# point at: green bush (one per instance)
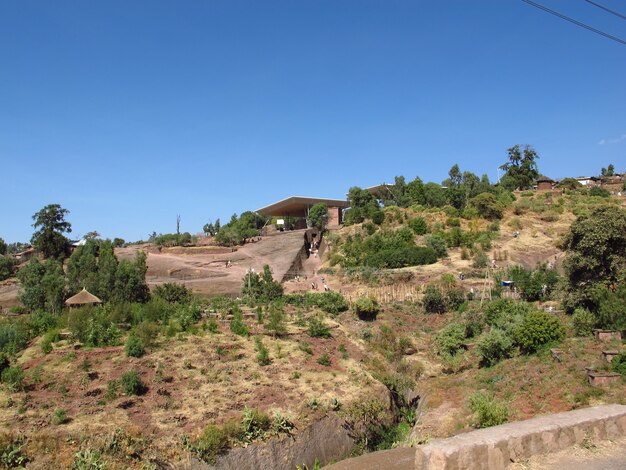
(618, 364)
(438, 244)
(11, 455)
(211, 444)
(13, 377)
(134, 346)
(474, 322)
(481, 260)
(494, 346)
(433, 300)
(536, 330)
(324, 360)
(4, 362)
(599, 192)
(488, 411)
(173, 293)
(7, 267)
(450, 340)
(132, 384)
(366, 308)
(488, 206)
(237, 325)
(583, 322)
(60, 417)
(263, 355)
(418, 225)
(318, 329)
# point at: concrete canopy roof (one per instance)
(297, 206)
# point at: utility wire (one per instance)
(576, 22)
(616, 13)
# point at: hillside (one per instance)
(221, 378)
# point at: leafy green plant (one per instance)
(494, 346)
(433, 299)
(305, 347)
(324, 360)
(583, 322)
(60, 417)
(418, 225)
(536, 330)
(11, 451)
(237, 325)
(131, 383)
(88, 460)
(318, 329)
(134, 346)
(263, 355)
(450, 340)
(211, 443)
(618, 364)
(366, 308)
(13, 377)
(487, 410)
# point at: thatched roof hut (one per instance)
(83, 298)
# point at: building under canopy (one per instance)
(84, 297)
(298, 207)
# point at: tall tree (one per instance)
(3, 247)
(596, 256)
(50, 225)
(318, 215)
(521, 169)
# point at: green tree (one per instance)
(3, 247)
(276, 321)
(318, 215)
(107, 271)
(43, 285)
(82, 268)
(50, 225)
(609, 171)
(596, 256)
(488, 206)
(130, 280)
(521, 169)
(7, 267)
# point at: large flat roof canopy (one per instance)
(298, 206)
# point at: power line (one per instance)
(616, 13)
(576, 22)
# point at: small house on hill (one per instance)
(84, 297)
(544, 183)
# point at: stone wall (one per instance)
(494, 448)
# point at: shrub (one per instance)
(4, 362)
(450, 339)
(13, 377)
(418, 225)
(366, 308)
(211, 444)
(237, 325)
(134, 346)
(494, 346)
(7, 267)
(537, 329)
(487, 206)
(318, 329)
(11, 455)
(378, 217)
(454, 298)
(263, 355)
(433, 300)
(583, 322)
(132, 384)
(488, 411)
(438, 244)
(618, 364)
(305, 347)
(324, 360)
(481, 260)
(474, 323)
(173, 293)
(598, 191)
(254, 423)
(60, 417)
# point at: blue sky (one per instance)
(128, 113)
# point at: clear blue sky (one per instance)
(130, 112)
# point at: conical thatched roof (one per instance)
(83, 298)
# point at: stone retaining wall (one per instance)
(494, 448)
